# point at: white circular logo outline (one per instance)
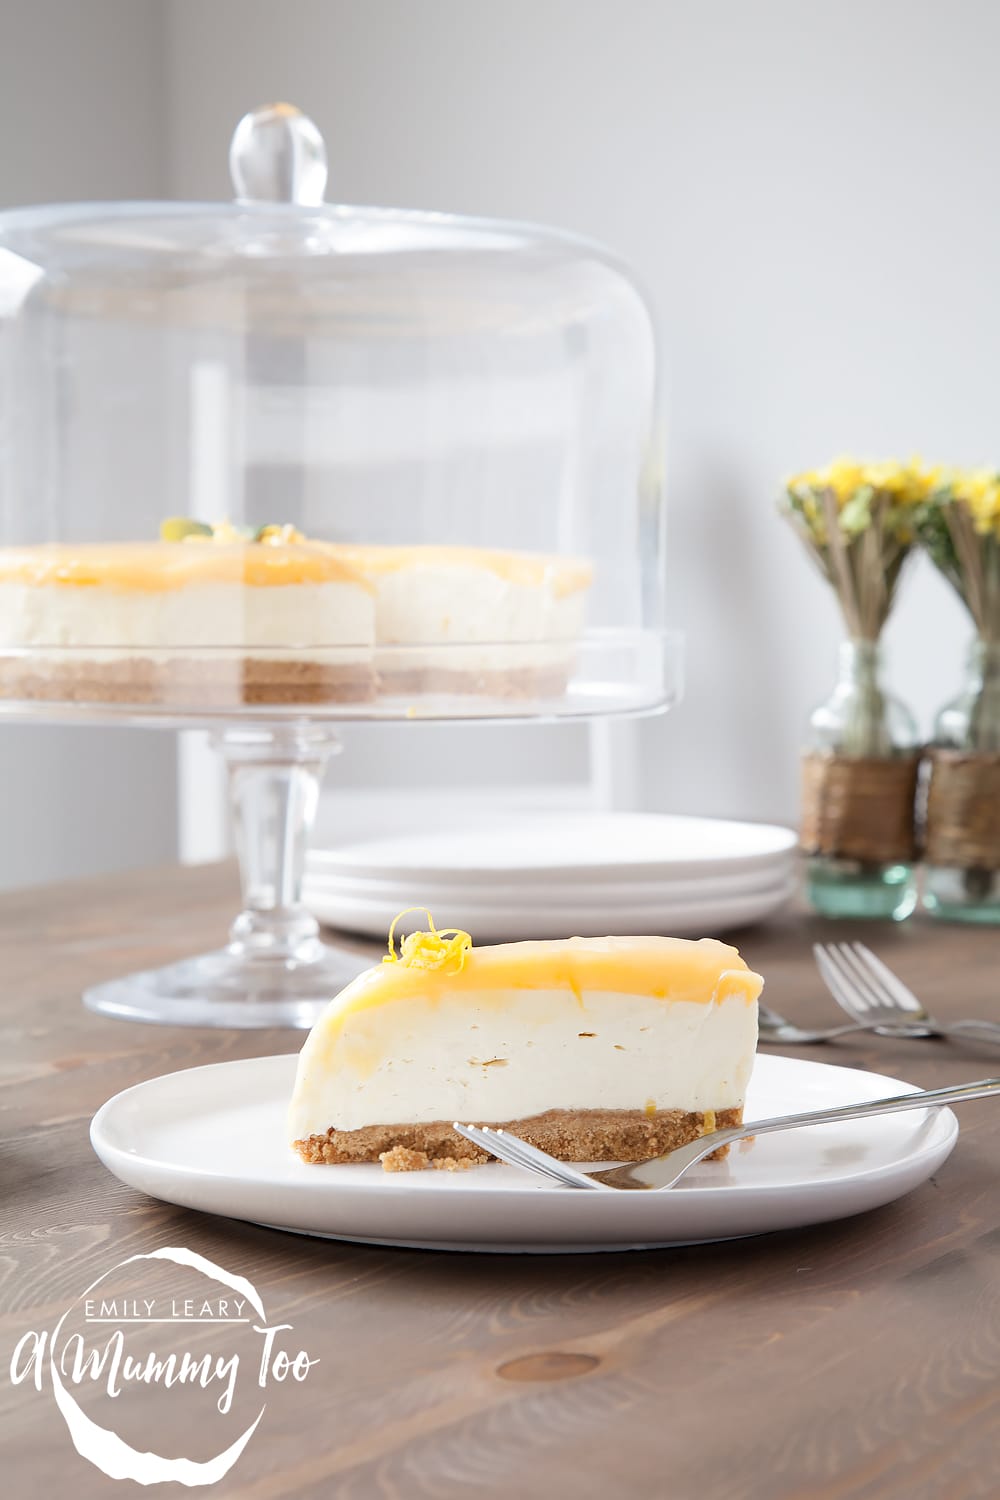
(104, 1448)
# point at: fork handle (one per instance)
(979, 1031)
(920, 1099)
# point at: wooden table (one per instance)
(860, 1359)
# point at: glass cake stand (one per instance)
(379, 381)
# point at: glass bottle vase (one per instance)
(859, 785)
(962, 836)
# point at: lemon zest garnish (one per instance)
(276, 536)
(444, 950)
(188, 529)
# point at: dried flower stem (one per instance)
(977, 575)
(863, 570)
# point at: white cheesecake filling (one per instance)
(299, 617)
(482, 1056)
(491, 621)
(473, 619)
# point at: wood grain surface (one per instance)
(860, 1359)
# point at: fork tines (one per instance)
(518, 1153)
(862, 984)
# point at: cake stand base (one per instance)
(231, 990)
(274, 971)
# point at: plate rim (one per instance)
(644, 903)
(503, 924)
(596, 891)
(335, 856)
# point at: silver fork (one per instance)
(664, 1171)
(873, 995)
(774, 1030)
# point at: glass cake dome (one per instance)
(445, 430)
(269, 464)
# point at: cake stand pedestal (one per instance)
(275, 970)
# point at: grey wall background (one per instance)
(809, 192)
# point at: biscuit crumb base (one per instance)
(402, 1159)
(405, 1159)
(570, 1135)
(180, 682)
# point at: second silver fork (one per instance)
(872, 995)
(775, 1031)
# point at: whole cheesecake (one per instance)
(217, 616)
(593, 1049)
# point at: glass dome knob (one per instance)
(277, 155)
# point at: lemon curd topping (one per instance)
(563, 575)
(192, 552)
(705, 971)
(152, 567)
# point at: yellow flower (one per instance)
(908, 483)
(979, 491)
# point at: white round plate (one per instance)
(492, 922)
(574, 847)
(214, 1139)
(524, 891)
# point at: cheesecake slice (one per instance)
(594, 1049)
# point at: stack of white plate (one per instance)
(553, 875)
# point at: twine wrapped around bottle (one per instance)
(859, 807)
(962, 823)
